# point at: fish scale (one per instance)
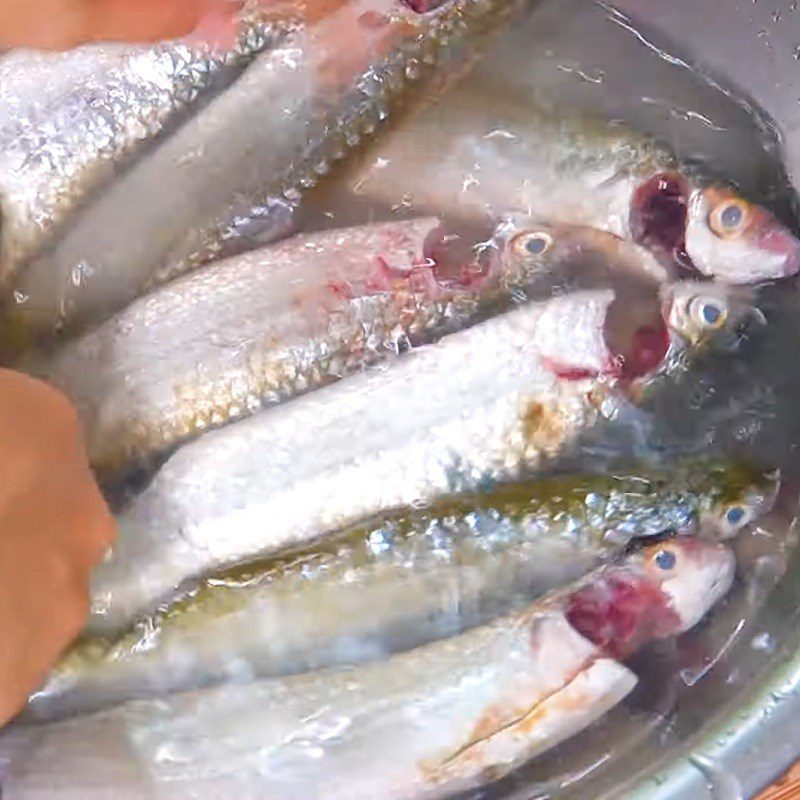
(368, 444)
(65, 149)
(293, 109)
(423, 573)
(367, 107)
(445, 717)
(268, 325)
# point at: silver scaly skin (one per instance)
(382, 439)
(266, 326)
(263, 327)
(422, 574)
(297, 108)
(67, 121)
(494, 152)
(449, 716)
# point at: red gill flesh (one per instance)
(658, 217)
(620, 611)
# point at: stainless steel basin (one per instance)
(721, 717)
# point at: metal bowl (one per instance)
(721, 717)
(735, 740)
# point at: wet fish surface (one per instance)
(69, 121)
(266, 326)
(519, 387)
(495, 152)
(297, 107)
(454, 714)
(400, 581)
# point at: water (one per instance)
(588, 57)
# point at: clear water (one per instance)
(583, 56)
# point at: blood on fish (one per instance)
(658, 216)
(621, 611)
(341, 289)
(419, 278)
(649, 347)
(423, 6)
(568, 372)
(453, 257)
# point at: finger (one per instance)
(58, 24)
(100, 527)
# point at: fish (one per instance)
(496, 152)
(445, 717)
(301, 103)
(711, 316)
(69, 121)
(482, 404)
(257, 329)
(422, 573)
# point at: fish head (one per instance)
(705, 314)
(658, 591)
(711, 230)
(564, 261)
(600, 334)
(564, 256)
(740, 497)
(694, 574)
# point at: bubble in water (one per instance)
(597, 77)
(413, 69)
(764, 642)
(20, 296)
(81, 272)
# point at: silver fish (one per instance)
(422, 574)
(518, 388)
(266, 326)
(296, 108)
(486, 149)
(442, 718)
(69, 120)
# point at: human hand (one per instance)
(60, 24)
(54, 527)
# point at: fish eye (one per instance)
(535, 243)
(729, 218)
(665, 559)
(735, 515)
(708, 312)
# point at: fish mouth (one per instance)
(711, 231)
(659, 214)
(637, 337)
(781, 243)
(706, 582)
(424, 6)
